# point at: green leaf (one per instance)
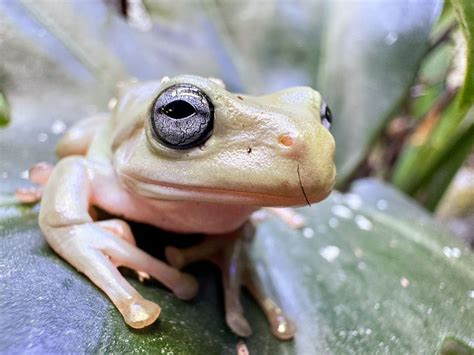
(465, 13)
(371, 272)
(444, 167)
(370, 56)
(4, 111)
(426, 169)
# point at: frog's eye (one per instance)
(326, 115)
(182, 117)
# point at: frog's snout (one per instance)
(291, 145)
(308, 154)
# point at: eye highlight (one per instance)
(326, 115)
(182, 117)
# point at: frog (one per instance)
(185, 155)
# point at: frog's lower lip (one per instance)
(166, 191)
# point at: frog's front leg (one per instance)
(97, 248)
(231, 253)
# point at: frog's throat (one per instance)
(167, 191)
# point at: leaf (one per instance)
(426, 166)
(4, 111)
(465, 13)
(370, 57)
(370, 271)
(437, 178)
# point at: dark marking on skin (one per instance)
(301, 185)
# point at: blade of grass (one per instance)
(444, 167)
(416, 158)
(4, 111)
(464, 10)
(426, 167)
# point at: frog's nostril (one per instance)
(285, 140)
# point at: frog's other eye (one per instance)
(182, 117)
(326, 115)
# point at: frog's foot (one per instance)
(38, 174)
(98, 248)
(28, 194)
(288, 215)
(230, 253)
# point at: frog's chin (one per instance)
(166, 191)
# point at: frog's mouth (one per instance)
(167, 191)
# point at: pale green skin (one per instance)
(264, 151)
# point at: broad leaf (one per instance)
(371, 271)
(371, 54)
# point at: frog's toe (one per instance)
(281, 326)
(187, 288)
(140, 313)
(175, 257)
(28, 194)
(40, 173)
(239, 325)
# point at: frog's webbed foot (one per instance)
(98, 248)
(38, 174)
(230, 253)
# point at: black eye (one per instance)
(326, 115)
(182, 117)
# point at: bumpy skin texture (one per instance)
(263, 151)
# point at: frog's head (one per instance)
(193, 140)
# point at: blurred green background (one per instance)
(399, 78)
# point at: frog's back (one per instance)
(132, 107)
(103, 132)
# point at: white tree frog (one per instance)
(187, 156)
